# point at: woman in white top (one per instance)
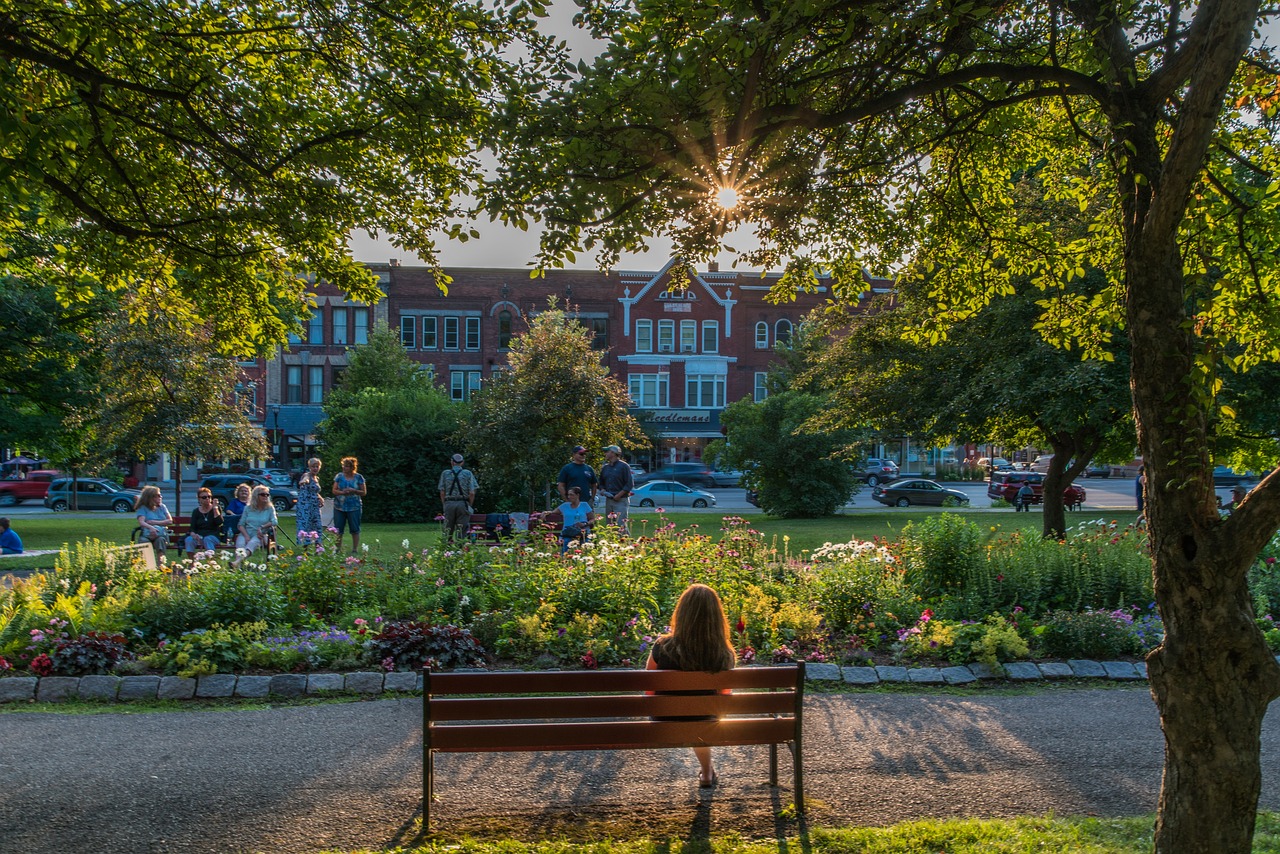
(154, 518)
(256, 524)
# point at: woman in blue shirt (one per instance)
(577, 517)
(154, 519)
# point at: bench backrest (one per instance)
(609, 709)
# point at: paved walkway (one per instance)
(347, 776)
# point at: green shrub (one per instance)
(941, 552)
(1087, 634)
(217, 649)
(999, 641)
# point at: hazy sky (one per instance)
(501, 246)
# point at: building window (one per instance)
(315, 331)
(473, 333)
(710, 336)
(247, 399)
(782, 333)
(762, 336)
(451, 333)
(430, 338)
(293, 384)
(704, 391)
(462, 384)
(295, 338)
(644, 336)
(688, 336)
(315, 384)
(649, 391)
(340, 330)
(504, 330)
(430, 370)
(599, 328)
(666, 336)
(762, 385)
(361, 316)
(409, 333)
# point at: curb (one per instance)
(55, 689)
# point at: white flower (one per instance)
(404, 544)
(464, 601)
(364, 547)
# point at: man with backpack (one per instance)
(458, 494)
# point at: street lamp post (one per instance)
(276, 451)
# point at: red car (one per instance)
(34, 487)
(1005, 484)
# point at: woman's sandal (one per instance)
(704, 783)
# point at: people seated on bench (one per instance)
(206, 524)
(577, 517)
(699, 640)
(154, 519)
(256, 524)
(10, 542)
(231, 518)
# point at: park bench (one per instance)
(610, 710)
(178, 537)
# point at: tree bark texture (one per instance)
(1213, 676)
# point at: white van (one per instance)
(1042, 463)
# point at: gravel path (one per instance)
(347, 776)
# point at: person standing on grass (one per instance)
(310, 501)
(617, 482)
(699, 640)
(10, 542)
(457, 488)
(348, 488)
(577, 473)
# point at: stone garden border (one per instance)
(56, 689)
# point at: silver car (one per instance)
(668, 493)
(91, 494)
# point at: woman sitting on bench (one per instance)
(698, 640)
(577, 518)
(206, 524)
(256, 524)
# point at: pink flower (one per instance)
(388, 664)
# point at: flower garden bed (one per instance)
(947, 593)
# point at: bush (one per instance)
(411, 645)
(941, 553)
(1088, 634)
(203, 652)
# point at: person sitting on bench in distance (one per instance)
(698, 640)
(256, 524)
(577, 516)
(206, 524)
(154, 519)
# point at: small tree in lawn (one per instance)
(389, 414)
(524, 421)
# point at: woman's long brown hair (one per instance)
(699, 637)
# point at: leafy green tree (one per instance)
(889, 136)
(401, 436)
(557, 394)
(389, 415)
(218, 151)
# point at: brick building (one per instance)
(684, 353)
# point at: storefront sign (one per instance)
(681, 416)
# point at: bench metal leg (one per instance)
(797, 772)
(428, 787)
(773, 765)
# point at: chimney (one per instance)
(713, 267)
(395, 262)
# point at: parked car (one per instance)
(276, 477)
(753, 498)
(92, 493)
(1005, 485)
(875, 470)
(1042, 463)
(904, 493)
(223, 487)
(1097, 470)
(995, 464)
(669, 493)
(690, 474)
(636, 469)
(33, 487)
(1226, 476)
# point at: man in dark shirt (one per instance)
(577, 473)
(617, 482)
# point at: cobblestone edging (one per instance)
(55, 689)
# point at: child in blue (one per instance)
(577, 516)
(10, 542)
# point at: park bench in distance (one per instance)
(178, 538)
(570, 710)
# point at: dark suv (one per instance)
(690, 474)
(223, 487)
(1005, 484)
(875, 470)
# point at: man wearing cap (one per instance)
(616, 484)
(458, 494)
(577, 473)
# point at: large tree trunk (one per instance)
(1213, 676)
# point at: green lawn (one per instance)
(51, 532)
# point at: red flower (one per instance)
(740, 627)
(41, 665)
(589, 661)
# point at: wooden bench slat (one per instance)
(595, 681)
(609, 706)
(614, 735)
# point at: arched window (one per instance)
(762, 336)
(782, 331)
(504, 329)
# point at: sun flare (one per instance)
(727, 198)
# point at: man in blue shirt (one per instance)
(617, 483)
(10, 542)
(577, 473)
